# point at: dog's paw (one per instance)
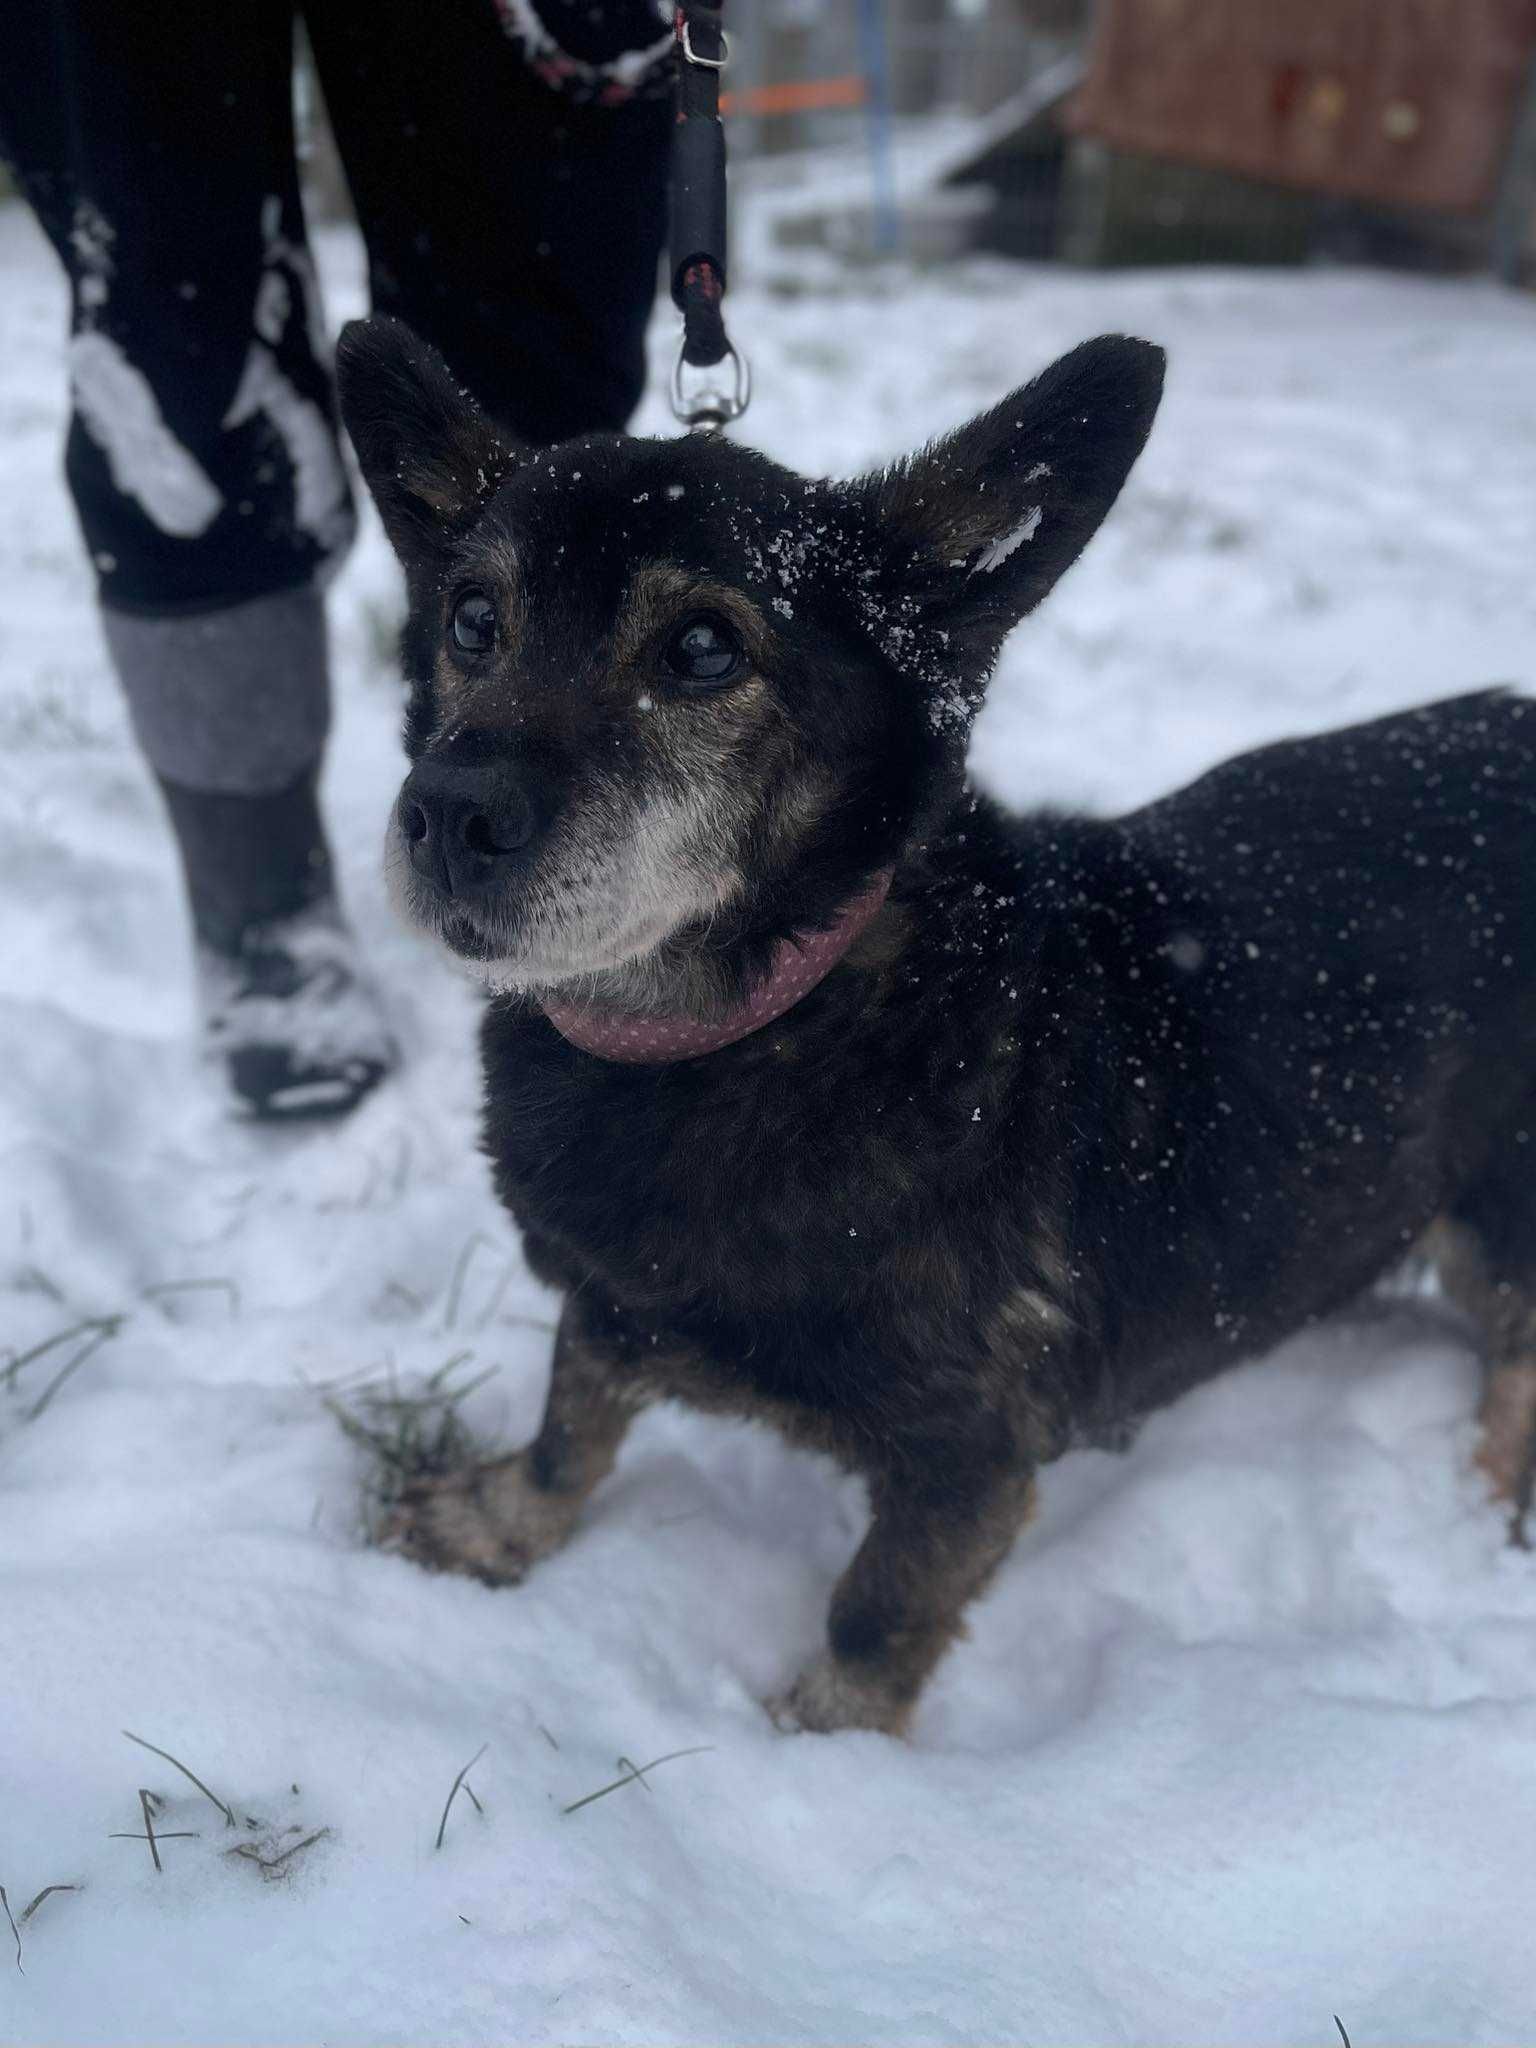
(828, 1696)
(1507, 1453)
(489, 1522)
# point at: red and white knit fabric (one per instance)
(600, 51)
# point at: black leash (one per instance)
(698, 228)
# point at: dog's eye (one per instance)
(704, 652)
(474, 623)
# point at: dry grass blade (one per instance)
(47, 1892)
(411, 1435)
(148, 1803)
(110, 1325)
(272, 1866)
(476, 1240)
(191, 1776)
(1340, 2025)
(632, 1776)
(149, 1829)
(19, 1361)
(158, 1289)
(308, 1842)
(442, 1826)
(33, 1280)
(498, 1294)
(95, 1330)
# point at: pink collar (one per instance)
(799, 962)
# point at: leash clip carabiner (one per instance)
(710, 408)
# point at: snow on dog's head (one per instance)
(654, 683)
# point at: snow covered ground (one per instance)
(1244, 1736)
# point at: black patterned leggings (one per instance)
(513, 226)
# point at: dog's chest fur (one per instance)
(1093, 1107)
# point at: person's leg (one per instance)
(513, 224)
(157, 151)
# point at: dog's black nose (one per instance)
(463, 824)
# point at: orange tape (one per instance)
(796, 96)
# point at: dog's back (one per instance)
(1400, 854)
(1302, 997)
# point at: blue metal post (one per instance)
(882, 156)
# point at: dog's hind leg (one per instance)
(1485, 1250)
(930, 1549)
(494, 1521)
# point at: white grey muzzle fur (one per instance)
(614, 881)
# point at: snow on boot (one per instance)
(288, 1013)
(294, 1023)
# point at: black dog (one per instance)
(832, 1095)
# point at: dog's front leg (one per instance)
(899, 1605)
(495, 1521)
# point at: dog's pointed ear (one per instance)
(973, 532)
(428, 453)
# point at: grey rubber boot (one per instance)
(286, 1008)
(231, 708)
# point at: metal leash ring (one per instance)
(706, 63)
(710, 408)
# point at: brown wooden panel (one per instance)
(1404, 101)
